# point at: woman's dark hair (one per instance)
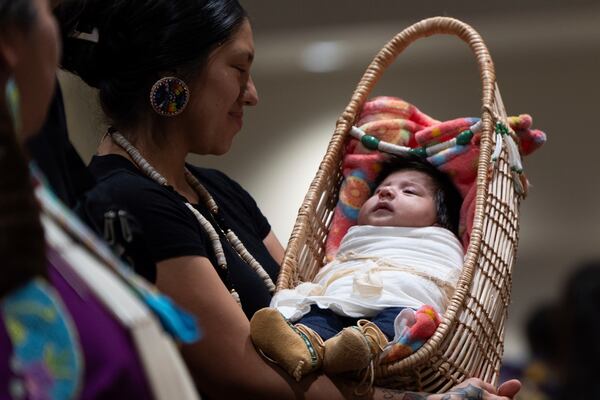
(139, 42)
(447, 198)
(22, 246)
(20, 14)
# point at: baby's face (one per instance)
(404, 198)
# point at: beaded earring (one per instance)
(169, 96)
(13, 102)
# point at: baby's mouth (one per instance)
(383, 206)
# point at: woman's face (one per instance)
(220, 93)
(32, 58)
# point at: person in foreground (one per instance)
(173, 79)
(399, 263)
(70, 324)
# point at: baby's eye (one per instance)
(410, 191)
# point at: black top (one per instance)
(163, 227)
(57, 158)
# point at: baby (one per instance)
(402, 254)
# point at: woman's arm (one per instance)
(224, 363)
(274, 246)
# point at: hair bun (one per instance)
(138, 40)
(80, 55)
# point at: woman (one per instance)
(173, 79)
(61, 336)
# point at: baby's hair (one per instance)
(447, 198)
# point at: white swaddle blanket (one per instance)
(379, 267)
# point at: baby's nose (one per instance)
(386, 192)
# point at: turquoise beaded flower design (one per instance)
(46, 352)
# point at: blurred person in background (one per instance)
(578, 326)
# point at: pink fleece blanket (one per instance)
(396, 121)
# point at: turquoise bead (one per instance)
(464, 137)
(370, 142)
(419, 151)
(501, 128)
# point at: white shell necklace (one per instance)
(201, 191)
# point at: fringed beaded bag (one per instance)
(469, 340)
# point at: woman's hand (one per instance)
(471, 389)
(509, 388)
(476, 389)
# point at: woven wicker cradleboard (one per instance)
(469, 341)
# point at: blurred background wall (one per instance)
(310, 54)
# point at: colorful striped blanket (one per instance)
(396, 121)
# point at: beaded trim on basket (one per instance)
(502, 132)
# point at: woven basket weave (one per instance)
(469, 341)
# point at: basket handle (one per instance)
(333, 156)
(492, 108)
(425, 28)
